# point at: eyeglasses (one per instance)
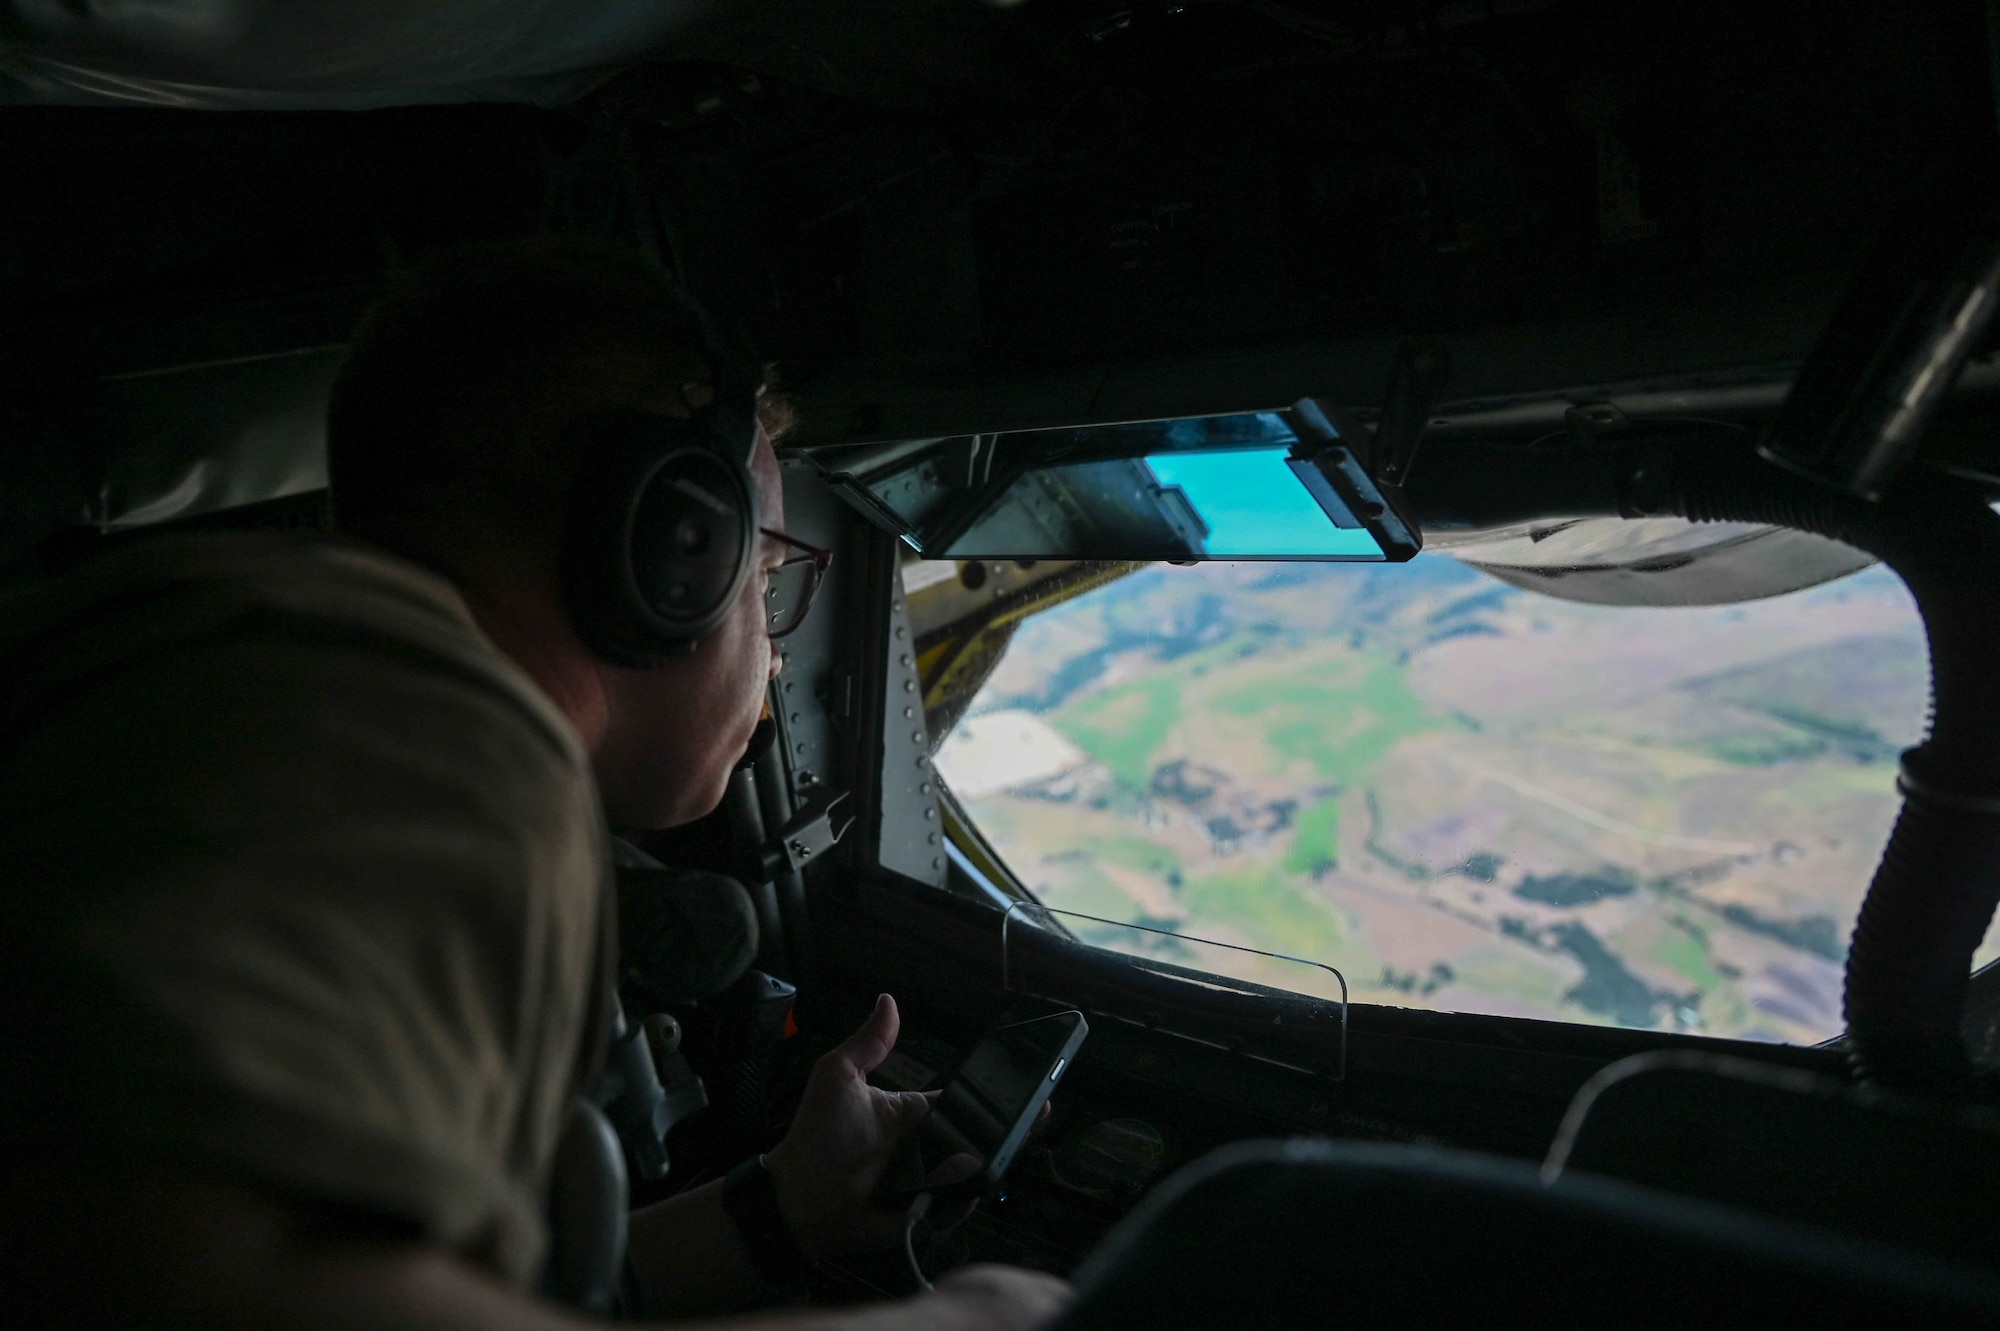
(794, 583)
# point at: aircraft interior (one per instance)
(1413, 360)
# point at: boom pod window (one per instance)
(1463, 795)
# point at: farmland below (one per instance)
(1461, 795)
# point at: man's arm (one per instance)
(152, 1245)
(688, 1257)
(142, 1243)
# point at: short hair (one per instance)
(460, 390)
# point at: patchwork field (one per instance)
(1461, 795)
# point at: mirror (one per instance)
(1257, 485)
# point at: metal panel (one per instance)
(807, 697)
(848, 704)
(911, 836)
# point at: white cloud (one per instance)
(998, 751)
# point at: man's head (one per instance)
(452, 438)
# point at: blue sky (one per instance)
(1254, 505)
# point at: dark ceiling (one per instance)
(949, 216)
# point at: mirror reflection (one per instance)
(1216, 487)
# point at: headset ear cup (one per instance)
(660, 535)
(593, 567)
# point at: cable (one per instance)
(917, 1210)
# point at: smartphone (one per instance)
(987, 1108)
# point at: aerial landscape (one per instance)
(1461, 795)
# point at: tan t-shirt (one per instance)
(303, 880)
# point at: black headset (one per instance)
(661, 531)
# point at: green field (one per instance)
(1469, 797)
(1327, 706)
(1316, 844)
(1124, 728)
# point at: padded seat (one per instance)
(1795, 1146)
(1323, 1233)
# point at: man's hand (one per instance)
(997, 1298)
(827, 1167)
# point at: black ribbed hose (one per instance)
(1934, 893)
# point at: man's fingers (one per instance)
(1005, 1295)
(867, 1047)
(955, 1168)
(950, 1217)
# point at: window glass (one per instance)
(1464, 796)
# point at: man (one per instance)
(303, 928)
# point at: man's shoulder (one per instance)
(174, 594)
(207, 571)
(335, 859)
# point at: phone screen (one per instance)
(988, 1107)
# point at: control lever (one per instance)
(685, 1093)
(646, 1089)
